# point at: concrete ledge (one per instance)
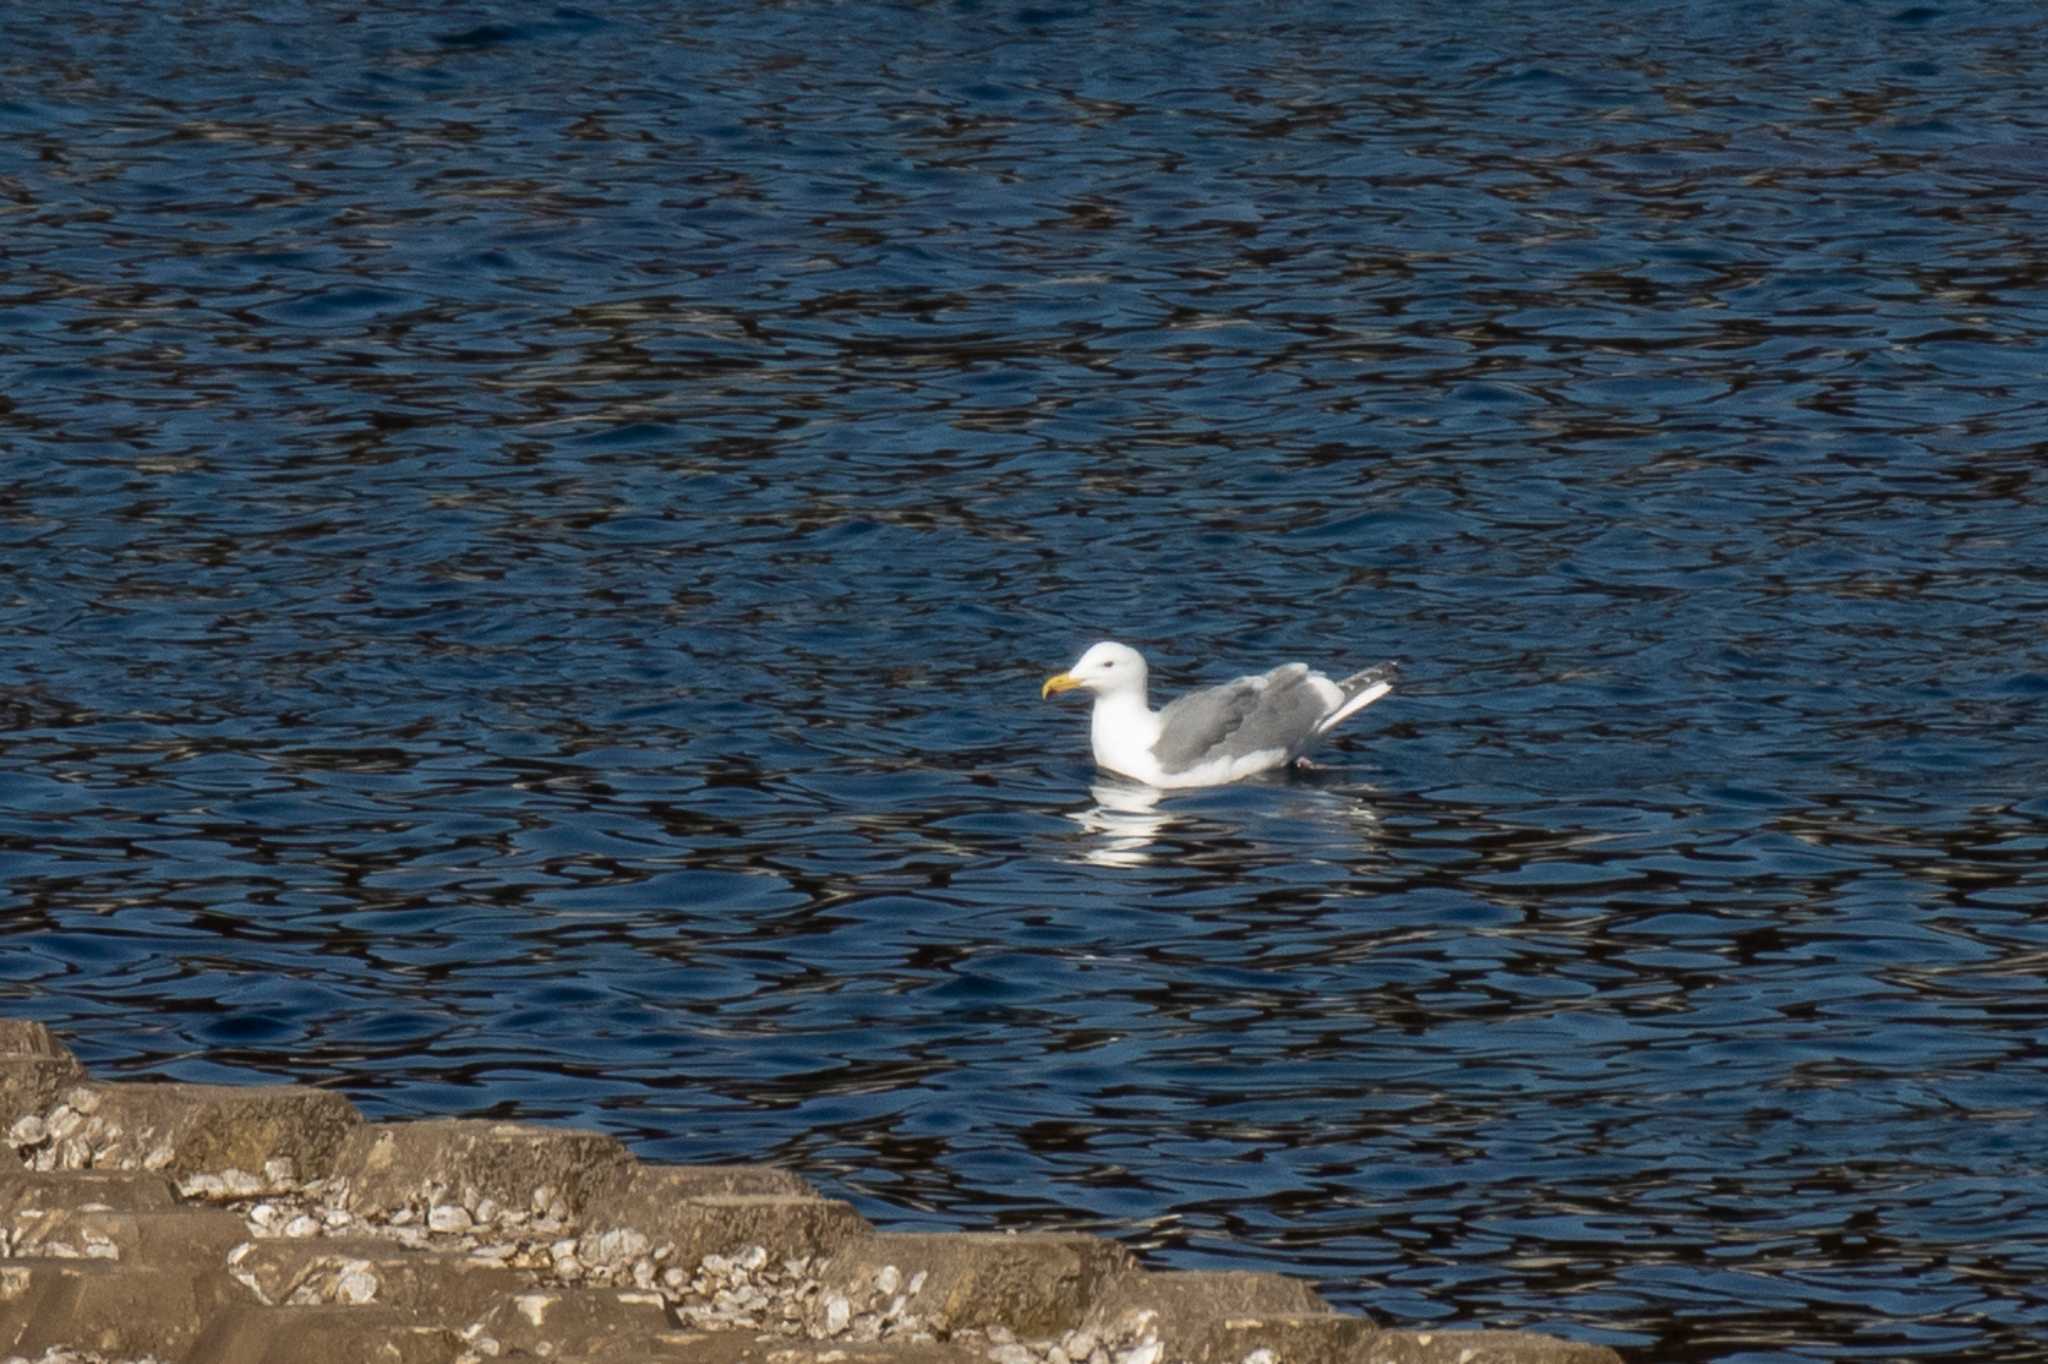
(119, 1310)
(219, 1224)
(329, 1335)
(116, 1190)
(576, 1321)
(361, 1271)
(479, 1167)
(1034, 1286)
(653, 1186)
(34, 1068)
(1211, 1317)
(1477, 1347)
(265, 1136)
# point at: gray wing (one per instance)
(1276, 711)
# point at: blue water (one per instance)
(529, 538)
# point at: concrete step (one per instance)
(216, 1224)
(119, 1309)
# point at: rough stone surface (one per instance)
(1211, 1317)
(387, 1168)
(128, 1310)
(116, 1190)
(573, 1320)
(26, 1037)
(737, 1348)
(645, 1187)
(728, 1224)
(316, 1271)
(1031, 1285)
(222, 1225)
(1480, 1347)
(1204, 1294)
(168, 1236)
(326, 1335)
(186, 1130)
(1310, 1338)
(34, 1068)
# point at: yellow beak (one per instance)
(1057, 682)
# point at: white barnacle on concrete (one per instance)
(1146, 1352)
(64, 1120)
(566, 1265)
(616, 1247)
(887, 1280)
(498, 1254)
(450, 1219)
(201, 1186)
(243, 1276)
(838, 1313)
(1262, 1355)
(357, 1284)
(1082, 1346)
(479, 1340)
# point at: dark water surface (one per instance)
(529, 537)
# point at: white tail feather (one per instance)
(1381, 684)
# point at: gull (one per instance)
(1216, 735)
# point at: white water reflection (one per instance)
(1125, 821)
(1129, 824)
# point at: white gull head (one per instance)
(1107, 669)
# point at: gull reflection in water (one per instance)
(1127, 821)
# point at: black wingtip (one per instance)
(1384, 671)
